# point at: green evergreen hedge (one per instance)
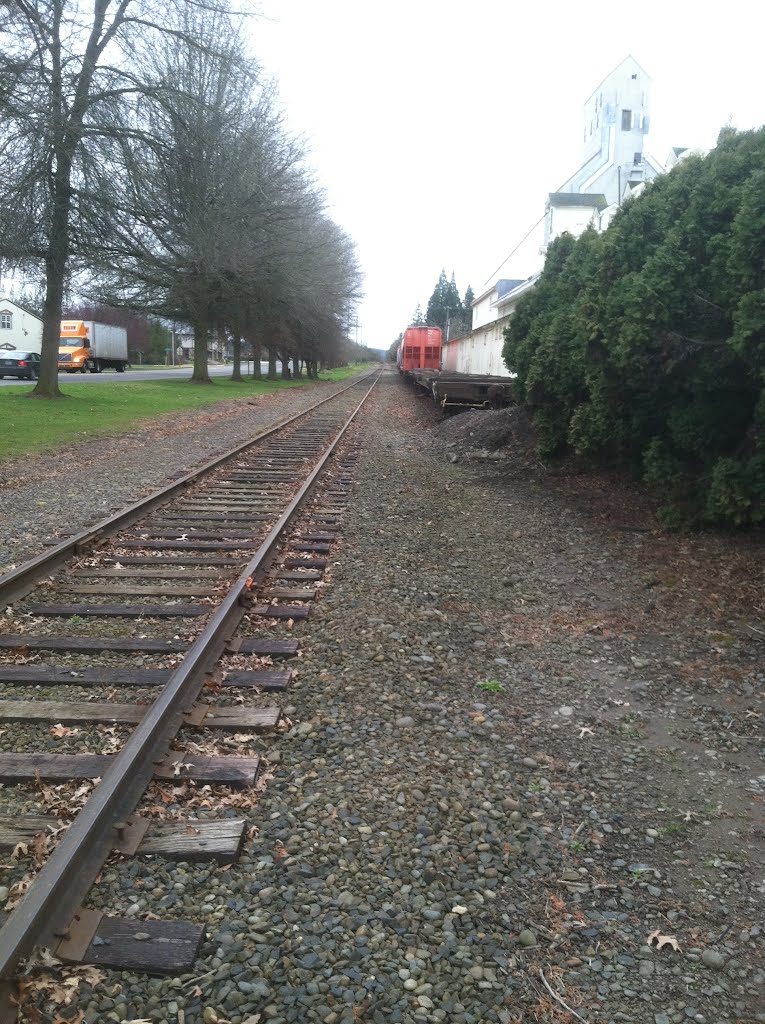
(645, 345)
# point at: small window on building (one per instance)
(6, 320)
(637, 158)
(626, 120)
(634, 78)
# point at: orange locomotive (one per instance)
(420, 349)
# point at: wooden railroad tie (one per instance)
(161, 561)
(190, 532)
(151, 947)
(137, 590)
(292, 593)
(193, 839)
(122, 611)
(227, 719)
(294, 574)
(93, 645)
(177, 766)
(50, 675)
(282, 611)
(293, 562)
(170, 573)
(187, 545)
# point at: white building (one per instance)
(480, 351)
(614, 168)
(616, 120)
(19, 328)
(572, 212)
(614, 161)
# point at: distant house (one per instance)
(19, 328)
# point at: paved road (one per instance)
(175, 373)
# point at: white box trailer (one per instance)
(87, 345)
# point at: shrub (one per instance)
(645, 346)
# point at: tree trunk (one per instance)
(285, 360)
(200, 373)
(295, 367)
(47, 385)
(55, 275)
(271, 362)
(256, 371)
(236, 373)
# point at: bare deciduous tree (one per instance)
(65, 72)
(223, 225)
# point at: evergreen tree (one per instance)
(453, 301)
(445, 306)
(645, 346)
(418, 320)
(461, 322)
(435, 314)
(467, 304)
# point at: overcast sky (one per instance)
(438, 127)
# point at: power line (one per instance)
(504, 261)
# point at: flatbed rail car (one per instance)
(420, 349)
(450, 389)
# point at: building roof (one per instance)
(629, 58)
(4, 300)
(506, 285)
(501, 287)
(523, 287)
(590, 199)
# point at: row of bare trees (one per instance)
(146, 160)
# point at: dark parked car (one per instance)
(19, 364)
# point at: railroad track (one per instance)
(171, 601)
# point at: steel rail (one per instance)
(60, 886)
(19, 581)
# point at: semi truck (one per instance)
(85, 345)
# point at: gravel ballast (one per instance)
(523, 757)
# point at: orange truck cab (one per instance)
(86, 345)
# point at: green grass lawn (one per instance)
(157, 366)
(90, 410)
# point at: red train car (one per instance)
(420, 349)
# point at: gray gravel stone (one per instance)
(391, 865)
(711, 958)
